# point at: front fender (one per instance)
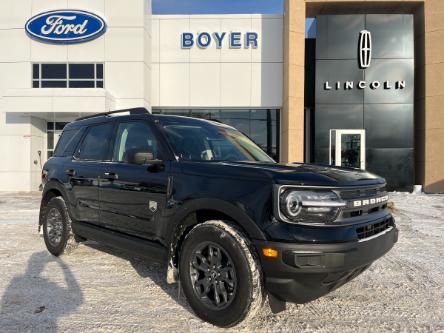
(233, 212)
(185, 218)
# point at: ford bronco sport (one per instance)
(233, 226)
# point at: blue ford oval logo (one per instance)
(65, 26)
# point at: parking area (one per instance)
(98, 289)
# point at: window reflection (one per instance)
(261, 125)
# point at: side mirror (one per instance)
(138, 156)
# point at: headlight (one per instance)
(309, 206)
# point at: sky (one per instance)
(218, 6)
(171, 7)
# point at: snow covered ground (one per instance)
(98, 289)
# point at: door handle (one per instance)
(70, 172)
(111, 176)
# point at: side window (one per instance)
(95, 145)
(133, 136)
(68, 142)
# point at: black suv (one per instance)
(234, 226)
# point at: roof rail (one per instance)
(131, 111)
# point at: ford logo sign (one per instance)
(65, 26)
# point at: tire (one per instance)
(232, 272)
(57, 232)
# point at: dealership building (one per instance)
(361, 86)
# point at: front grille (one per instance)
(366, 207)
(361, 193)
(374, 229)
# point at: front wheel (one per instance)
(220, 274)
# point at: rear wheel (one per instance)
(220, 275)
(57, 231)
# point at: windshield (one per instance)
(198, 141)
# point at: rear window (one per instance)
(68, 142)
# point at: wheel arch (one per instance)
(52, 189)
(200, 211)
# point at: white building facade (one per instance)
(139, 61)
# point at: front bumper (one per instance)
(304, 272)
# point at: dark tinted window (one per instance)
(53, 84)
(99, 71)
(68, 142)
(67, 75)
(81, 84)
(81, 71)
(134, 136)
(260, 125)
(53, 71)
(35, 71)
(95, 146)
(199, 141)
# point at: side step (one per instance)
(141, 247)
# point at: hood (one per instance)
(290, 174)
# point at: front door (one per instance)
(347, 148)
(132, 195)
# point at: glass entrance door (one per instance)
(347, 148)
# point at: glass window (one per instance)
(53, 71)
(35, 71)
(99, 71)
(235, 114)
(261, 125)
(60, 126)
(50, 140)
(53, 84)
(53, 132)
(134, 136)
(68, 142)
(95, 146)
(197, 141)
(81, 84)
(81, 71)
(67, 76)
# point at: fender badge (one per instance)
(152, 205)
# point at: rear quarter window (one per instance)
(96, 143)
(68, 142)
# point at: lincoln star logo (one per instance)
(65, 26)
(365, 49)
(372, 201)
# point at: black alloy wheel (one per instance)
(213, 275)
(220, 274)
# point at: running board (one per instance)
(140, 247)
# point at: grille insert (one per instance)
(373, 229)
(361, 193)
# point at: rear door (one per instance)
(133, 196)
(84, 172)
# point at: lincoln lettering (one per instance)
(56, 24)
(236, 40)
(350, 85)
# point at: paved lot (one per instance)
(97, 289)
